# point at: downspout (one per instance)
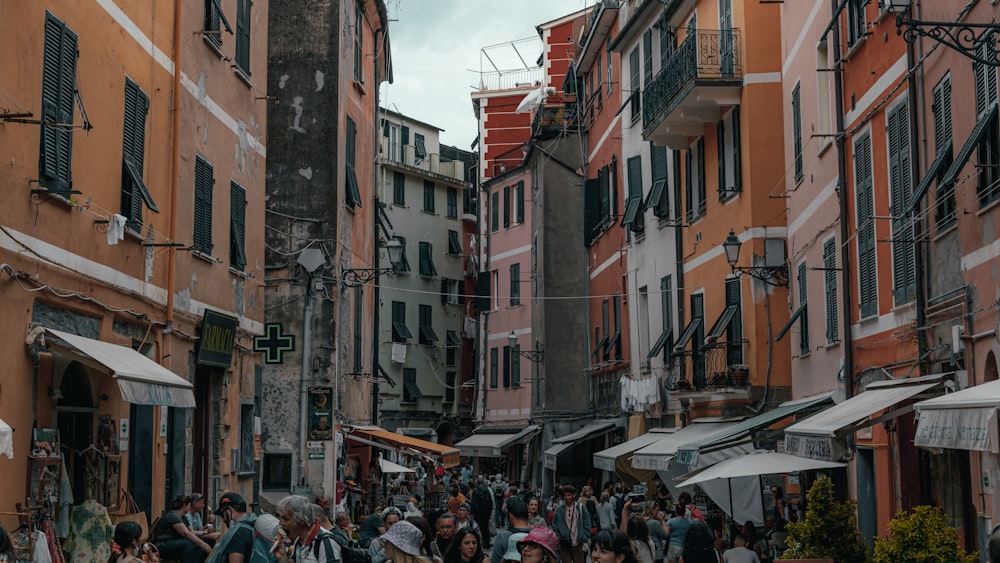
(375, 229)
(917, 225)
(175, 157)
(845, 231)
(304, 375)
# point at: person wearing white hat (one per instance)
(402, 544)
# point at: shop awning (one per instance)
(964, 420)
(605, 459)
(372, 434)
(551, 456)
(819, 436)
(758, 462)
(493, 444)
(742, 431)
(6, 440)
(390, 467)
(659, 454)
(140, 380)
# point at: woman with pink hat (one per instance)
(539, 546)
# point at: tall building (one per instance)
(327, 60)
(132, 247)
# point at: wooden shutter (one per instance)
(720, 133)
(483, 292)
(804, 316)
(734, 332)
(658, 158)
(797, 131)
(204, 181)
(506, 367)
(506, 207)
(868, 296)
(689, 185)
(243, 35)
(494, 360)
(903, 266)
(58, 97)
(942, 116)
(591, 209)
(830, 289)
(701, 175)
(737, 150)
(237, 229)
(358, 336)
(133, 148)
(519, 202)
(495, 212)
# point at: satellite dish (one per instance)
(311, 259)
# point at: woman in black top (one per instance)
(174, 539)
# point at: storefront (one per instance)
(499, 451)
(617, 459)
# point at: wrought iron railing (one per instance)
(563, 117)
(709, 366)
(703, 54)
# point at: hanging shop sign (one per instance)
(320, 413)
(218, 338)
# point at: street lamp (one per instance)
(359, 276)
(973, 40)
(537, 356)
(771, 275)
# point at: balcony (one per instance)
(414, 156)
(710, 367)
(704, 75)
(559, 114)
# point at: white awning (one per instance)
(551, 456)
(758, 462)
(818, 437)
(964, 420)
(658, 455)
(492, 445)
(6, 440)
(140, 380)
(605, 459)
(390, 467)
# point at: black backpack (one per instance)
(479, 501)
(353, 553)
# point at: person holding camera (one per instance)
(571, 523)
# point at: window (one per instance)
(868, 295)
(243, 36)
(604, 182)
(246, 437)
(359, 58)
(494, 367)
(904, 276)
(698, 337)
(451, 291)
(506, 367)
(506, 207)
(675, 179)
(515, 284)
(427, 334)
(515, 366)
(519, 202)
(856, 21)
(353, 195)
(398, 188)
(634, 73)
(804, 316)
(695, 180)
(496, 295)
(58, 97)
(276, 472)
(400, 332)
(453, 345)
(495, 211)
(419, 149)
(830, 290)
(449, 387)
(204, 180)
(729, 149)
(824, 109)
(428, 196)
(237, 226)
(591, 210)
(633, 217)
(797, 132)
(483, 292)
(454, 244)
(452, 203)
(596, 88)
(666, 44)
(427, 268)
(358, 322)
(403, 265)
(642, 312)
(411, 391)
(647, 57)
(734, 329)
(658, 199)
(214, 21)
(134, 192)
(989, 144)
(606, 323)
(665, 341)
(469, 203)
(608, 62)
(616, 336)
(944, 215)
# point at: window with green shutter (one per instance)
(904, 276)
(237, 226)
(449, 387)
(734, 330)
(988, 165)
(633, 218)
(658, 199)
(830, 290)
(616, 337)
(353, 195)
(495, 211)
(243, 36)
(403, 265)
(797, 132)
(400, 332)
(635, 70)
(204, 182)
(804, 305)
(506, 367)
(647, 57)
(865, 228)
(519, 202)
(698, 338)
(515, 366)
(700, 184)
(428, 196)
(411, 391)
(55, 156)
(134, 193)
(604, 179)
(358, 334)
(398, 188)
(729, 149)
(494, 367)
(606, 323)
(515, 284)
(215, 20)
(454, 244)
(427, 334)
(506, 207)
(359, 58)
(427, 268)
(591, 209)
(452, 203)
(944, 208)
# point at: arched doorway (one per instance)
(990, 368)
(74, 408)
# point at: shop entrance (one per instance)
(202, 431)
(140, 466)
(176, 422)
(75, 420)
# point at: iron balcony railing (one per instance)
(703, 54)
(564, 117)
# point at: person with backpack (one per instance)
(236, 546)
(310, 543)
(482, 507)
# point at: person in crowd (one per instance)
(371, 528)
(309, 542)
(553, 503)
(539, 546)
(7, 548)
(589, 501)
(534, 518)
(657, 533)
(481, 504)
(428, 547)
(322, 518)
(455, 500)
(470, 547)
(376, 549)
(172, 537)
(635, 527)
(677, 529)
(517, 512)
(125, 549)
(236, 546)
(571, 523)
(513, 554)
(780, 504)
(739, 552)
(403, 544)
(699, 544)
(753, 541)
(447, 526)
(194, 520)
(413, 507)
(606, 512)
(463, 518)
(776, 538)
(690, 510)
(612, 546)
(342, 528)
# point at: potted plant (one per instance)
(720, 379)
(922, 536)
(739, 373)
(829, 531)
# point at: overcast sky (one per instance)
(437, 43)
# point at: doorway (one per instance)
(867, 505)
(202, 431)
(140, 459)
(75, 409)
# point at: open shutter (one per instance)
(58, 96)
(804, 305)
(737, 151)
(358, 334)
(720, 133)
(903, 268)
(604, 191)
(243, 35)
(868, 301)
(237, 229)
(592, 209)
(830, 281)
(701, 175)
(483, 292)
(204, 179)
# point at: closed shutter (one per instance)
(701, 176)
(506, 207)
(868, 296)
(243, 35)
(444, 290)
(358, 339)
(647, 57)
(515, 366)
(604, 179)
(483, 292)
(804, 316)
(591, 209)
(830, 290)
(676, 181)
(737, 151)
(903, 267)
(519, 202)
(515, 284)
(495, 211)
(734, 332)
(461, 292)
(406, 135)
(204, 181)
(237, 229)
(689, 185)
(720, 133)
(667, 312)
(613, 182)
(133, 149)
(797, 131)
(58, 96)
(506, 367)
(494, 361)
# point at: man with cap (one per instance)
(463, 519)
(517, 515)
(237, 545)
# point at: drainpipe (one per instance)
(845, 231)
(175, 152)
(375, 229)
(916, 231)
(307, 347)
